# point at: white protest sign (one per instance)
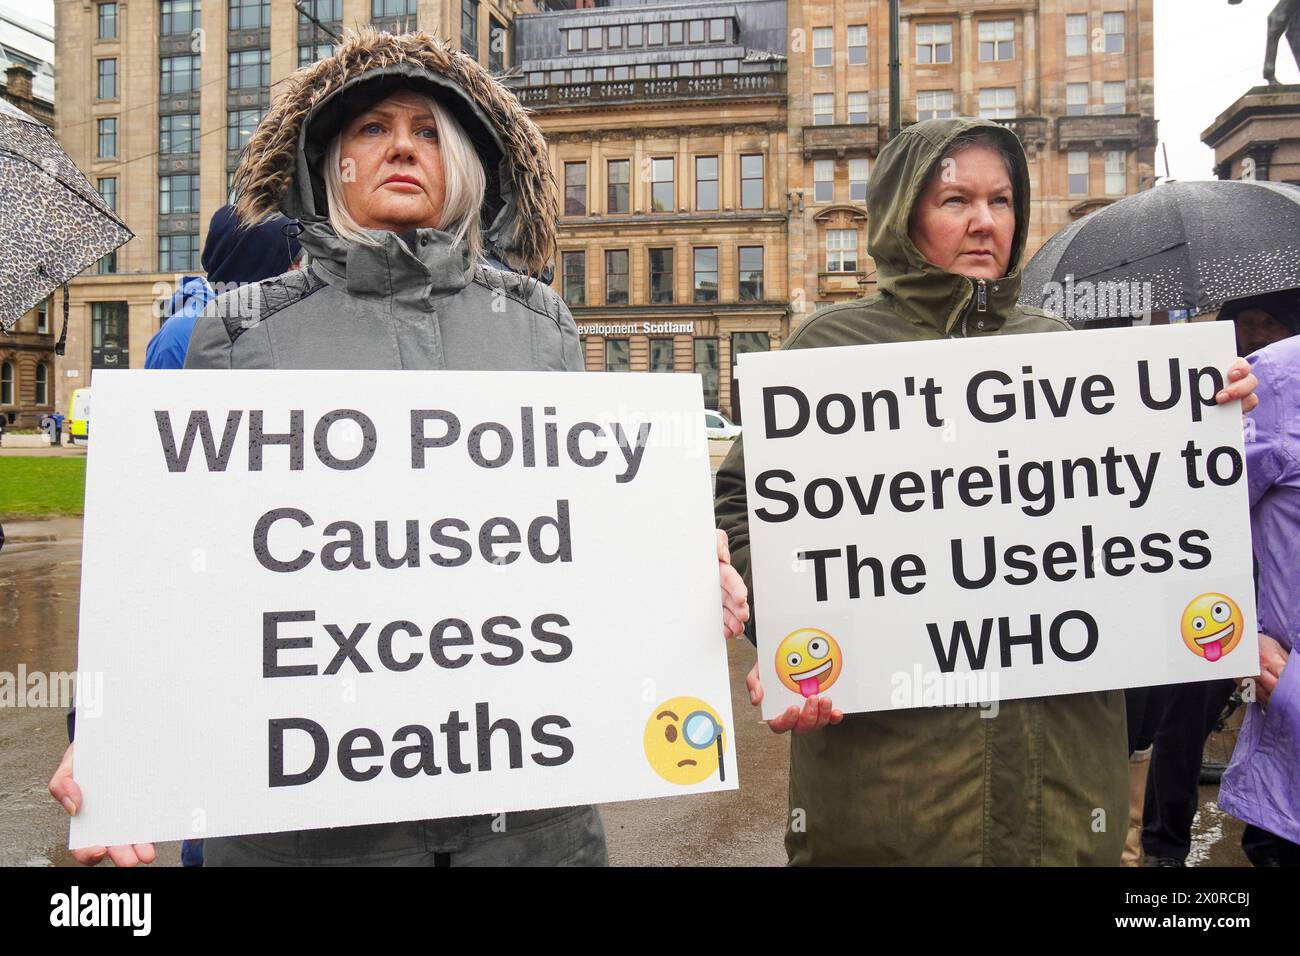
(331, 598)
(977, 520)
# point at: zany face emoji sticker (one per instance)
(684, 741)
(1212, 625)
(808, 661)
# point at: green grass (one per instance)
(42, 485)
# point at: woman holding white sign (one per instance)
(415, 175)
(1046, 780)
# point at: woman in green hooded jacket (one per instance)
(1045, 781)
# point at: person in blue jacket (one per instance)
(230, 255)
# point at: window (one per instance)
(751, 273)
(823, 180)
(1112, 98)
(1076, 34)
(614, 38)
(661, 185)
(7, 383)
(178, 194)
(107, 20)
(706, 275)
(575, 189)
(107, 145)
(841, 250)
(696, 32)
(573, 41)
(663, 71)
(676, 32)
(823, 46)
(706, 182)
(179, 17)
(1078, 174)
(109, 331)
(634, 35)
(1116, 172)
(858, 180)
(575, 277)
(997, 40)
(654, 34)
(661, 276)
(1076, 99)
(823, 109)
(239, 127)
(107, 89)
(323, 10)
(751, 181)
(616, 277)
(107, 187)
(859, 111)
(43, 316)
(469, 27)
(661, 355)
(706, 366)
(250, 14)
(392, 8)
(107, 264)
(1112, 24)
(616, 356)
(179, 74)
(498, 39)
(178, 133)
(42, 384)
(249, 69)
(718, 31)
(178, 253)
(934, 43)
(933, 104)
(618, 178)
(858, 45)
(311, 53)
(998, 103)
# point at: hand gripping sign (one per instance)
(959, 522)
(333, 598)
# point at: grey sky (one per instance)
(1208, 53)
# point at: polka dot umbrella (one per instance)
(53, 223)
(1177, 246)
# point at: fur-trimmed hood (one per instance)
(279, 169)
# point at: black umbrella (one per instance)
(1177, 246)
(53, 223)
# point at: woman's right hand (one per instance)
(815, 713)
(65, 790)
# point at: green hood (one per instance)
(920, 291)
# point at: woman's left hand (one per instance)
(1241, 386)
(735, 596)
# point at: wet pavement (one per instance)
(40, 570)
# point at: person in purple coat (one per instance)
(1262, 783)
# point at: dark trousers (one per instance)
(1176, 718)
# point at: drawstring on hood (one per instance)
(280, 168)
(920, 291)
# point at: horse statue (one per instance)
(1284, 20)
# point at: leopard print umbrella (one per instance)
(53, 223)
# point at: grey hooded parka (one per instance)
(415, 302)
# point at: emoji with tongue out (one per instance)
(808, 661)
(1212, 625)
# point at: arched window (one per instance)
(42, 384)
(7, 383)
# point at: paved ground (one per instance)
(39, 582)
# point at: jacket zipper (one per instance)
(981, 296)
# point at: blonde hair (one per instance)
(464, 186)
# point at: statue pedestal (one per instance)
(1258, 137)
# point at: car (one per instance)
(717, 425)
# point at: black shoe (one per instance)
(1162, 861)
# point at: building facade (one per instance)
(158, 98)
(1258, 136)
(806, 86)
(27, 352)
